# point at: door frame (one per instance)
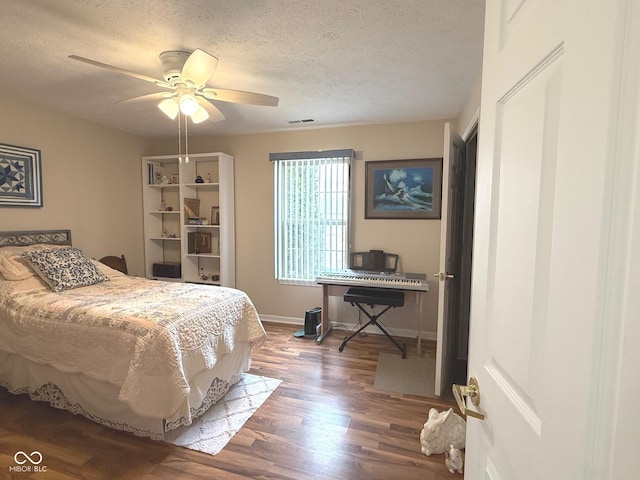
(454, 368)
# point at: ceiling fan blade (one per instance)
(151, 96)
(199, 67)
(160, 83)
(239, 96)
(215, 115)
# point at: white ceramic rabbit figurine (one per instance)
(441, 431)
(453, 460)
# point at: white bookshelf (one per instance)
(166, 232)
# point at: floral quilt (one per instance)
(147, 337)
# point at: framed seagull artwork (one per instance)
(403, 189)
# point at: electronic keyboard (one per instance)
(364, 278)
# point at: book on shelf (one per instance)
(150, 180)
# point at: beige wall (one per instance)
(416, 241)
(91, 185)
(91, 180)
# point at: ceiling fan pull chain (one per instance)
(179, 142)
(186, 139)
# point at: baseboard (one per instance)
(400, 332)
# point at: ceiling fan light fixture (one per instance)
(200, 115)
(169, 107)
(186, 75)
(188, 104)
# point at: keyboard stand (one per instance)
(336, 288)
(374, 296)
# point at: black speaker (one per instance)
(312, 319)
(167, 269)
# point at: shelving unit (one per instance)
(167, 232)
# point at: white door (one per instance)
(557, 178)
(450, 256)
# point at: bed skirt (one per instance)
(98, 400)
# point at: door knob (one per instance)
(443, 276)
(473, 392)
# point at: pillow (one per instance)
(13, 266)
(64, 268)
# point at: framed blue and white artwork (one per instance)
(407, 189)
(20, 176)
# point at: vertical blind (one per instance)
(312, 213)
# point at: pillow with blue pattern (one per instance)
(64, 268)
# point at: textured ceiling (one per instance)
(339, 62)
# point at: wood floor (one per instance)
(324, 421)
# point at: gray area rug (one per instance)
(411, 375)
(211, 432)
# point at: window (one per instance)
(312, 213)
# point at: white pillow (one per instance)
(13, 266)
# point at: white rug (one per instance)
(213, 430)
(411, 375)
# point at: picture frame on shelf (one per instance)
(158, 175)
(199, 243)
(403, 189)
(215, 215)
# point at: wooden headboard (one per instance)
(31, 237)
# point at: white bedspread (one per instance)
(148, 338)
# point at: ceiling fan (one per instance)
(185, 79)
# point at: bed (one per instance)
(133, 354)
